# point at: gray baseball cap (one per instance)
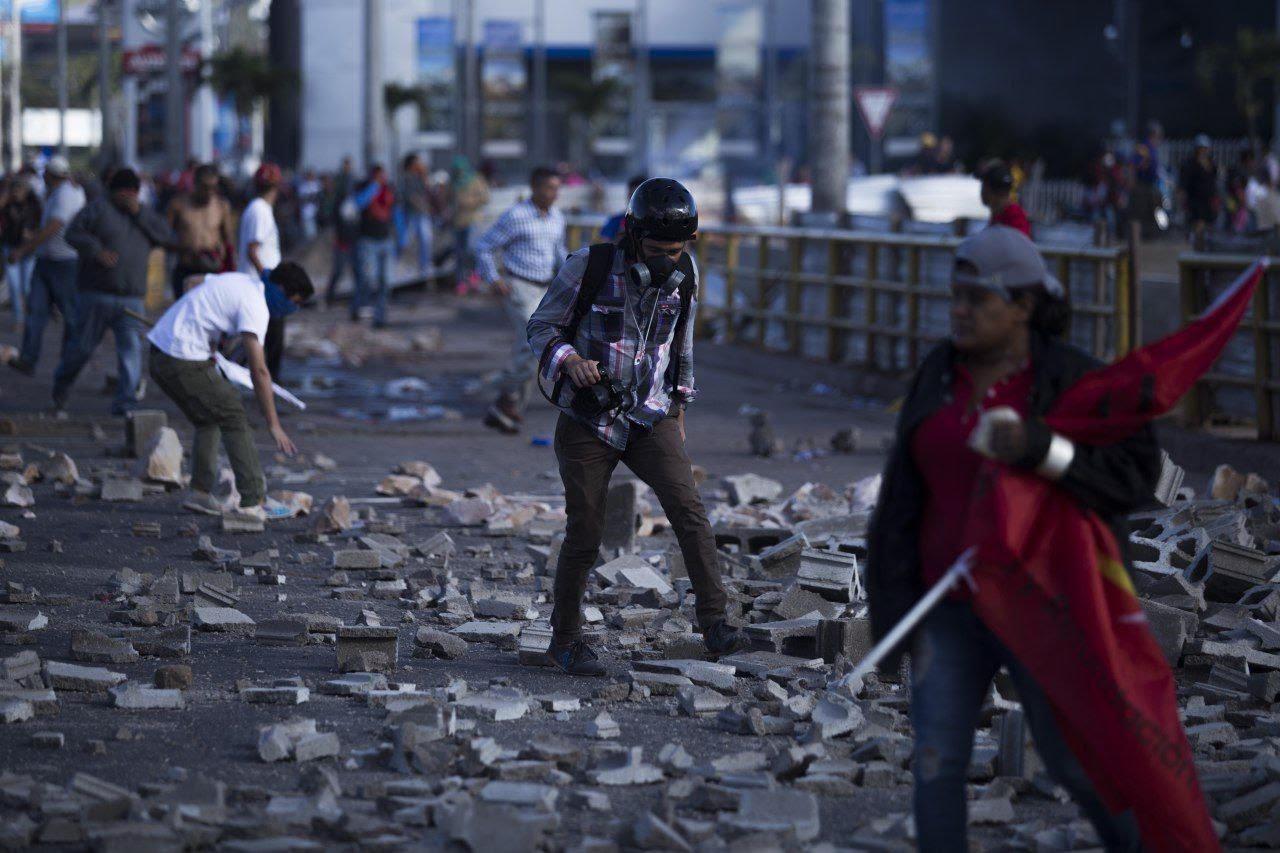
(1005, 260)
(57, 166)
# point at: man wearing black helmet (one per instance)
(614, 335)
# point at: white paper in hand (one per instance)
(238, 374)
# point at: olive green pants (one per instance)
(213, 405)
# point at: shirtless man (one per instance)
(202, 222)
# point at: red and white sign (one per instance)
(152, 59)
(875, 103)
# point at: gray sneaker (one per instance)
(204, 503)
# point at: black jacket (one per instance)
(1112, 480)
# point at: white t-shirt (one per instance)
(63, 204)
(229, 303)
(258, 225)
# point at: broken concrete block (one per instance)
(19, 666)
(603, 727)
(17, 494)
(15, 710)
(469, 512)
(718, 676)
(282, 631)
(831, 574)
(239, 523)
(1172, 628)
(746, 489)
(173, 677)
(1230, 570)
(82, 679)
(93, 647)
(781, 560)
(848, 637)
(503, 634)
(440, 644)
(797, 602)
(226, 620)
(364, 648)
(136, 697)
(1170, 481)
(534, 642)
(61, 468)
(140, 429)
(621, 518)
(116, 489)
(357, 559)
(625, 767)
(314, 746)
(1250, 808)
(49, 740)
(652, 833)
(276, 742)
(161, 460)
(834, 716)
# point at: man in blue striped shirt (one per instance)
(634, 332)
(530, 238)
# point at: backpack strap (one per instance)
(599, 265)
(688, 288)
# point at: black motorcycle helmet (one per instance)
(661, 209)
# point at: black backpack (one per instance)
(599, 265)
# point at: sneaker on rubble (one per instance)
(203, 502)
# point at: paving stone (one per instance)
(363, 648)
(834, 716)
(534, 642)
(357, 559)
(172, 642)
(44, 701)
(991, 812)
(314, 746)
(276, 742)
(779, 810)
(523, 794)
(94, 647)
(226, 620)
(115, 490)
(275, 695)
(333, 517)
(354, 684)
(498, 704)
(652, 833)
(660, 683)
(237, 523)
(1250, 808)
(282, 631)
(136, 697)
(82, 679)
(764, 664)
(440, 644)
(719, 676)
(48, 740)
(699, 701)
(503, 634)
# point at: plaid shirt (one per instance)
(610, 334)
(531, 242)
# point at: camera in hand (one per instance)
(606, 396)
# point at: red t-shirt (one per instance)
(941, 452)
(1013, 216)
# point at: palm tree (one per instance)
(1253, 64)
(248, 79)
(395, 97)
(590, 100)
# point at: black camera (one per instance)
(606, 396)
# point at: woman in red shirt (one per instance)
(1007, 316)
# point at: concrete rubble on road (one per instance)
(760, 749)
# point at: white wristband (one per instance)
(1058, 459)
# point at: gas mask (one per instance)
(658, 271)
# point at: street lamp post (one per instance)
(62, 78)
(175, 103)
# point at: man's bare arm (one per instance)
(266, 397)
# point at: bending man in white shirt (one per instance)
(182, 348)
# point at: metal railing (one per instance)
(1243, 385)
(877, 301)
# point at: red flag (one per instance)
(1052, 585)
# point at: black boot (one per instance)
(724, 639)
(575, 658)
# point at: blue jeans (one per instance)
(373, 260)
(52, 283)
(418, 226)
(19, 277)
(104, 311)
(953, 662)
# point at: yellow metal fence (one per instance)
(874, 301)
(1243, 385)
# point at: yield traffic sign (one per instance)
(875, 103)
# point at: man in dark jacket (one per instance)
(113, 236)
(1007, 315)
